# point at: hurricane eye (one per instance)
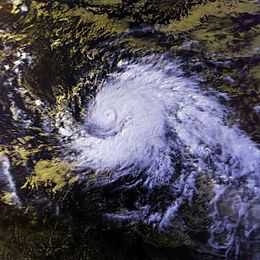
(109, 115)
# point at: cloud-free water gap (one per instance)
(149, 116)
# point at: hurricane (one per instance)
(149, 116)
